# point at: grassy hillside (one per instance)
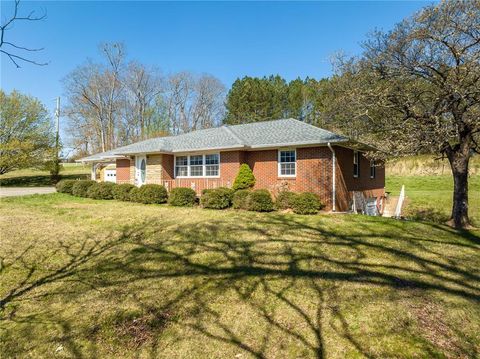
(33, 177)
(426, 165)
(429, 187)
(85, 278)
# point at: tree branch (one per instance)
(4, 27)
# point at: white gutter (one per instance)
(334, 165)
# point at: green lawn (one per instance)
(85, 278)
(34, 177)
(430, 197)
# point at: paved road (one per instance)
(24, 191)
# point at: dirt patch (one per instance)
(136, 330)
(432, 322)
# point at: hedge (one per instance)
(101, 190)
(245, 178)
(182, 196)
(218, 198)
(240, 198)
(260, 200)
(80, 188)
(149, 194)
(306, 203)
(121, 192)
(65, 186)
(284, 200)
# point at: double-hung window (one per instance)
(372, 169)
(287, 163)
(197, 165)
(356, 164)
(181, 166)
(212, 165)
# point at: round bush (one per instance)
(182, 196)
(245, 178)
(239, 199)
(65, 186)
(306, 203)
(149, 193)
(101, 190)
(284, 200)
(121, 192)
(80, 188)
(218, 198)
(260, 200)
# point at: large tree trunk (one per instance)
(459, 160)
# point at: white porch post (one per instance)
(93, 173)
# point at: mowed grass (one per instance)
(430, 197)
(32, 177)
(85, 278)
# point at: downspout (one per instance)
(334, 165)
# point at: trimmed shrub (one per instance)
(218, 198)
(284, 200)
(80, 188)
(101, 190)
(149, 194)
(182, 196)
(240, 198)
(121, 192)
(65, 186)
(260, 200)
(306, 203)
(245, 178)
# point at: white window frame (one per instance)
(356, 161)
(204, 169)
(373, 169)
(279, 164)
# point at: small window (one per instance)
(181, 166)
(356, 164)
(372, 169)
(287, 161)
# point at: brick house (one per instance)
(283, 154)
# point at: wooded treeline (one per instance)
(115, 102)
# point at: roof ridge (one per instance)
(232, 132)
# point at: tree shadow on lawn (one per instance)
(302, 285)
(37, 181)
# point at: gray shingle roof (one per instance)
(285, 132)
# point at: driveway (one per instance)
(24, 191)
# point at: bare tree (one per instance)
(143, 86)
(12, 51)
(194, 102)
(94, 92)
(208, 106)
(416, 89)
(114, 103)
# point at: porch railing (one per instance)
(197, 184)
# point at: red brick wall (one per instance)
(371, 187)
(313, 172)
(123, 170)
(229, 165)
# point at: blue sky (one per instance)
(225, 39)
